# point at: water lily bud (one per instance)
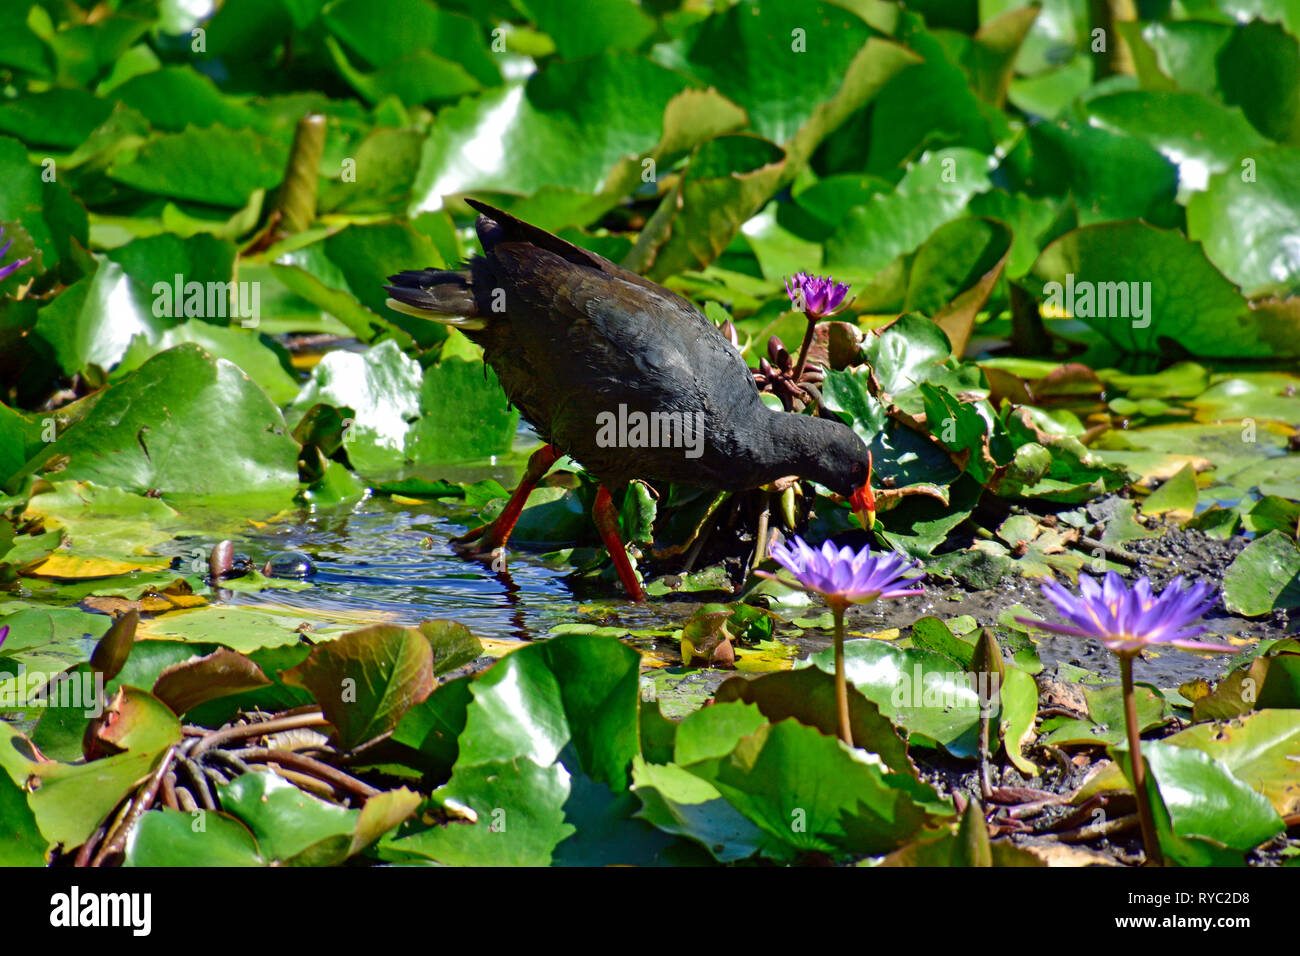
(221, 560)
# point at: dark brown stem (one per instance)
(312, 718)
(144, 799)
(307, 765)
(803, 349)
(1145, 817)
(87, 850)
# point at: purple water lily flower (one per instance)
(820, 297)
(4, 632)
(1126, 621)
(840, 576)
(843, 578)
(7, 271)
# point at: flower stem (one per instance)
(803, 349)
(841, 683)
(1145, 817)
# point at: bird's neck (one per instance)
(798, 445)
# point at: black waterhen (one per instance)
(627, 377)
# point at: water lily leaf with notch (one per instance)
(676, 801)
(614, 103)
(1260, 749)
(244, 629)
(1244, 225)
(1106, 710)
(1177, 496)
(934, 191)
(1273, 513)
(453, 644)
(257, 355)
(808, 695)
(1199, 135)
(46, 639)
(433, 727)
(902, 455)
(1263, 577)
(920, 523)
(284, 820)
(94, 320)
(932, 102)
(1204, 813)
(727, 181)
(1267, 395)
(367, 679)
(63, 722)
(925, 693)
(970, 429)
(931, 634)
(382, 386)
(74, 798)
(539, 715)
(848, 804)
(905, 353)
(606, 24)
(1253, 67)
(464, 414)
(168, 838)
(519, 806)
(581, 689)
(713, 202)
(954, 272)
(184, 422)
(213, 165)
(1076, 473)
(98, 524)
(1189, 301)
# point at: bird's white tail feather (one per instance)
(470, 323)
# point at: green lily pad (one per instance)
(170, 838)
(1265, 576)
(925, 693)
(183, 422)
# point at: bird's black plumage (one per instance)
(577, 341)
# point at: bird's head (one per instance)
(830, 453)
(845, 463)
(863, 500)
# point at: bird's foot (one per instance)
(606, 518)
(486, 543)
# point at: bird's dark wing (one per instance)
(501, 227)
(602, 342)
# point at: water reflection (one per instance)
(396, 559)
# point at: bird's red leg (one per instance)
(494, 536)
(606, 519)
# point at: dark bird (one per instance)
(628, 378)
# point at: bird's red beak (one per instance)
(863, 501)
